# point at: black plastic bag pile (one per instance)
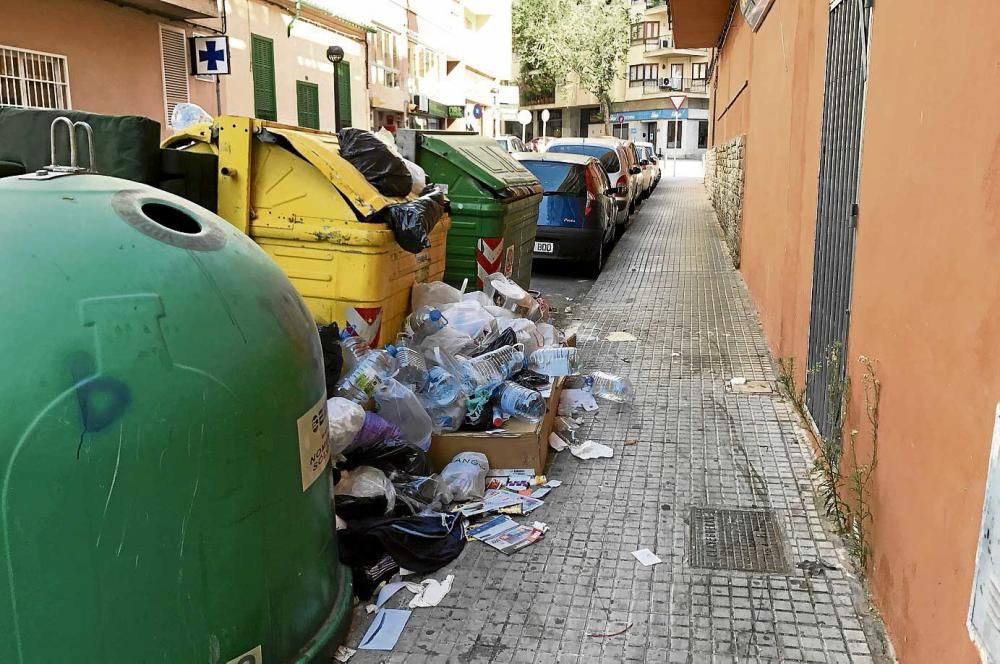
(411, 222)
(379, 164)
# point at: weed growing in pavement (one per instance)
(851, 518)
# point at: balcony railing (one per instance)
(670, 84)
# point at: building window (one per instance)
(620, 130)
(702, 134)
(385, 59)
(645, 31)
(173, 60)
(32, 79)
(639, 75)
(262, 64)
(699, 70)
(675, 133)
(307, 104)
(343, 93)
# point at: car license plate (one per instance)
(544, 247)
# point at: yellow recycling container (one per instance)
(292, 192)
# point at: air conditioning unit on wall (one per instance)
(667, 83)
(666, 43)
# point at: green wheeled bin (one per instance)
(494, 204)
(166, 491)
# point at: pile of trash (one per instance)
(464, 361)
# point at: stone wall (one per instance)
(724, 182)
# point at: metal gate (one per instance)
(837, 207)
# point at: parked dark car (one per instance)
(576, 219)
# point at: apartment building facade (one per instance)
(662, 96)
(125, 57)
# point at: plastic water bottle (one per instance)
(491, 369)
(610, 387)
(425, 321)
(521, 402)
(412, 366)
(354, 348)
(446, 417)
(441, 387)
(555, 361)
(372, 370)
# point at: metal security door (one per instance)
(837, 206)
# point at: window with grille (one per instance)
(639, 74)
(173, 58)
(33, 80)
(385, 59)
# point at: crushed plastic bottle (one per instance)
(491, 369)
(425, 321)
(441, 387)
(412, 367)
(355, 348)
(555, 361)
(610, 387)
(521, 402)
(359, 384)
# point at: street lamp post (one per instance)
(335, 54)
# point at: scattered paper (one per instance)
(675, 355)
(552, 484)
(646, 557)
(492, 501)
(384, 595)
(343, 653)
(591, 450)
(432, 592)
(505, 535)
(738, 381)
(515, 479)
(557, 443)
(574, 399)
(385, 629)
(621, 336)
(631, 441)
(541, 492)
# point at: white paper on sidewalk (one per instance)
(343, 653)
(431, 592)
(385, 629)
(621, 336)
(573, 399)
(556, 442)
(646, 557)
(591, 450)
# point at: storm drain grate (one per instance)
(746, 540)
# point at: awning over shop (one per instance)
(698, 23)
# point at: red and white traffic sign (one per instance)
(677, 101)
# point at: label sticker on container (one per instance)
(314, 442)
(254, 656)
(508, 262)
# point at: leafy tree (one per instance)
(585, 39)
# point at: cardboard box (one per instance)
(522, 445)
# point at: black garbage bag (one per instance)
(411, 222)
(422, 543)
(505, 337)
(364, 493)
(529, 378)
(390, 455)
(380, 166)
(333, 356)
(369, 575)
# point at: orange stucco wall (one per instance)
(926, 304)
(780, 70)
(926, 295)
(125, 79)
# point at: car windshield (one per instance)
(502, 142)
(607, 156)
(559, 178)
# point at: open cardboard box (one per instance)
(521, 445)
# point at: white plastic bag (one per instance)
(434, 294)
(345, 418)
(499, 313)
(418, 175)
(527, 334)
(367, 482)
(551, 334)
(468, 316)
(398, 404)
(450, 340)
(477, 296)
(465, 476)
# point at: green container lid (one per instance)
(165, 493)
(486, 162)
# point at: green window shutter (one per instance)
(307, 101)
(343, 93)
(262, 62)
